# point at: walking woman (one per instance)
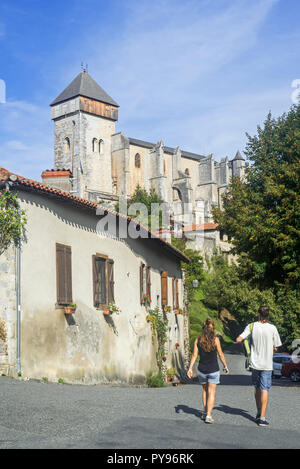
(208, 347)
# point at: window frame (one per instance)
(109, 280)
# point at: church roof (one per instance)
(169, 150)
(84, 85)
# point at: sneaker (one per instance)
(262, 423)
(203, 416)
(257, 417)
(209, 419)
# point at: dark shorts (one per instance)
(262, 379)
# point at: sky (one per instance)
(198, 74)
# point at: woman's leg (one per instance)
(204, 396)
(211, 392)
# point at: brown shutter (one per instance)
(173, 292)
(110, 275)
(176, 294)
(148, 280)
(141, 281)
(95, 282)
(64, 274)
(164, 288)
(102, 276)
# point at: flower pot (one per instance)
(69, 310)
(106, 312)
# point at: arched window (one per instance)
(101, 146)
(94, 144)
(67, 145)
(137, 160)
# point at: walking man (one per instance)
(265, 339)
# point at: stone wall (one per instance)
(8, 313)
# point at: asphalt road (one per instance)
(41, 415)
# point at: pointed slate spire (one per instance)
(84, 85)
(238, 156)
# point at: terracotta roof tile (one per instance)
(31, 184)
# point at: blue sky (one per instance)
(194, 73)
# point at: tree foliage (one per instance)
(146, 216)
(12, 220)
(262, 215)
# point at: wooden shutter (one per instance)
(95, 282)
(64, 274)
(141, 282)
(99, 281)
(110, 278)
(148, 280)
(173, 292)
(102, 276)
(164, 288)
(176, 294)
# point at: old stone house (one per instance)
(95, 162)
(74, 251)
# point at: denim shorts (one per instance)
(209, 377)
(262, 379)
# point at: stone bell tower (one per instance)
(84, 117)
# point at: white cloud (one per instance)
(163, 68)
(25, 138)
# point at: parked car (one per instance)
(278, 360)
(291, 370)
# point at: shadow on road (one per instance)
(222, 408)
(235, 411)
(188, 410)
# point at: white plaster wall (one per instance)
(85, 348)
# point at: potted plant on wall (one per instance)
(111, 309)
(146, 300)
(70, 309)
(171, 372)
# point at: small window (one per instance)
(137, 160)
(64, 274)
(103, 280)
(145, 280)
(67, 145)
(101, 147)
(187, 171)
(94, 145)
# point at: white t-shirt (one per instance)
(264, 338)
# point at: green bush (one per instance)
(155, 380)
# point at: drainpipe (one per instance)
(7, 185)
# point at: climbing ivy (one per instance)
(12, 220)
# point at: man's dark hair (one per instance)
(264, 312)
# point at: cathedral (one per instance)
(94, 162)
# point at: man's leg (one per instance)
(257, 400)
(264, 397)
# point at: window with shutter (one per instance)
(164, 288)
(103, 281)
(64, 274)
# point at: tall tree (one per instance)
(262, 213)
